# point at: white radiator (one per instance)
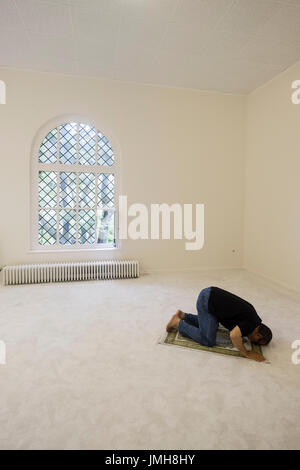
(60, 272)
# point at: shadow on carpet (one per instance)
(223, 343)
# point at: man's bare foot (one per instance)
(180, 313)
(174, 322)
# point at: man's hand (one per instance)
(236, 338)
(255, 356)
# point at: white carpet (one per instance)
(84, 369)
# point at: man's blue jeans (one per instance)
(203, 327)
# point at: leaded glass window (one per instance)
(76, 188)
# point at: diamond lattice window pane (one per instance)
(48, 148)
(105, 152)
(86, 190)
(67, 183)
(86, 226)
(106, 187)
(68, 140)
(105, 229)
(87, 145)
(47, 227)
(47, 189)
(67, 227)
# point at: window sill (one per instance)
(75, 250)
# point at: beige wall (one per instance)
(272, 191)
(177, 146)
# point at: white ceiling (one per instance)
(225, 45)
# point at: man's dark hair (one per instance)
(266, 334)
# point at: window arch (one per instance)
(75, 189)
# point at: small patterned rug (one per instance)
(223, 343)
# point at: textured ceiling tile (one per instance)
(88, 49)
(248, 16)
(182, 69)
(185, 37)
(271, 51)
(16, 47)
(247, 74)
(57, 2)
(201, 11)
(9, 17)
(223, 45)
(147, 32)
(226, 45)
(136, 63)
(45, 17)
(103, 5)
(145, 9)
(52, 46)
(94, 23)
(284, 25)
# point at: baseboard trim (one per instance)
(199, 269)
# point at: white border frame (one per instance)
(35, 247)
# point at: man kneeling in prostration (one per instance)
(216, 305)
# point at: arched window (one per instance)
(74, 177)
